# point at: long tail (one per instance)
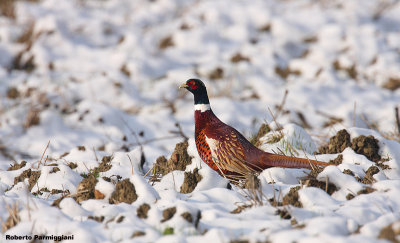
(274, 160)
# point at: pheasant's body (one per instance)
(227, 151)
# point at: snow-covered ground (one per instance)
(84, 80)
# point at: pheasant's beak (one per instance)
(184, 86)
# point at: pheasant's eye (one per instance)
(192, 84)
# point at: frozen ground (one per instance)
(92, 79)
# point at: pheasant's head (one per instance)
(198, 89)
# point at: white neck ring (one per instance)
(202, 107)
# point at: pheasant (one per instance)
(227, 151)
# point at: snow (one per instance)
(100, 84)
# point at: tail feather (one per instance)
(275, 160)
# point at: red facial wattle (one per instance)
(192, 85)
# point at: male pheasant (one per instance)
(227, 151)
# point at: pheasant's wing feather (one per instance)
(227, 149)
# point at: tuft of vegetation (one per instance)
(168, 231)
(255, 139)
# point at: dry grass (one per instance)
(13, 217)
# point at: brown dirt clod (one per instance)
(238, 57)
(166, 43)
(17, 166)
(124, 192)
(178, 161)
(190, 181)
(99, 219)
(32, 175)
(284, 214)
(105, 165)
(389, 233)
(137, 234)
(187, 216)
(217, 73)
(292, 197)
(337, 143)
(32, 118)
(338, 160)
(322, 185)
(13, 93)
(368, 178)
(348, 172)
(56, 203)
(142, 211)
(85, 189)
(392, 84)
(72, 165)
(55, 170)
(168, 214)
(367, 146)
(286, 71)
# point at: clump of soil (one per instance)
(190, 181)
(311, 181)
(389, 233)
(351, 71)
(17, 166)
(338, 160)
(178, 161)
(32, 118)
(57, 202)
(124, 192)
(104, 166)
(187, 216)
(32, 175)
(348, 172)
(330, 188)
(81, 148)
(337, 143)
(292, 197)
(168, 214)
(366, 190)
(239, 241)
(85, 189)
(137, 234)
(284, 214)
(286, 71)
(368, 178)
(143, 210)
(240, 208)
(367, 146)
(265, 28)
(264, 129)
(217, 73)
(120, 219)
(97, 218)
(57, 191)
(72, 165)
(392, 84)
(13, 93)
(54, 170)
(166, 42)
(238, 57)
